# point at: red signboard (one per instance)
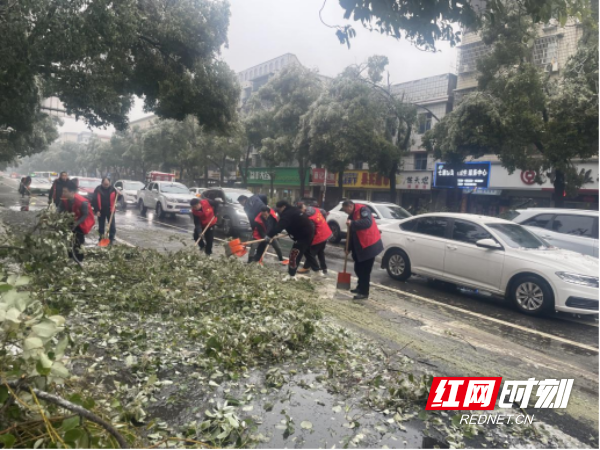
(318, 177)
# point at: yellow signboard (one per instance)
(364, 179)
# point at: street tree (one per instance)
(280, 104)
(424, 22)
(530, 119)
(344, 125)
(95, 55)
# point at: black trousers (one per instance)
(112, 231)
(298, 250)
(316, 252)
(363, 271)
(261, 248)
(78, 241)
(206, 243)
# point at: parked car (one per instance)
(197, 191)
(571, 229)
(492, 255)
(382, 212)
(129, 190)
(39, 186)
(231, 216)
(164, 197)
(87, 186)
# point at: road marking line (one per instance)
(491, 319)
(123, 241)
(454, 308)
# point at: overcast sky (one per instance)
(264, 29)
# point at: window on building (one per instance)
(420, 161)
(545, 50)
(468, 54)
(424, 123)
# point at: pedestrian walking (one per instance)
(80, 207)
(55, 194)
(299, 228)
(365, 244)
(103, 202)
(265, 221)
(317, 248)
(204, 212)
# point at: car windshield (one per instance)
(89, 183)
(516, 236)
(133, 185)
(393, 212)
(174, 188)
(232, 196)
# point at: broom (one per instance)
(343, 280)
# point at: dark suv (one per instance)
(231, 216)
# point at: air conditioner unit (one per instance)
(554, 66)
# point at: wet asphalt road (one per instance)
(451, 331)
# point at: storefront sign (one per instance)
(318, 177)
(415, 180)
(483, 191)
(466, 175)
(282, 176)
(525, 180)
(366, 180)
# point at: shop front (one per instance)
(415, 191)
(286, 182)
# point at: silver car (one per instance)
(571, 229)
(231, 216)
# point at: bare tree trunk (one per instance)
(222, 170)
(341, 183)
(205, 175)
(302, 173)
(392, 177)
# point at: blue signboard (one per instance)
(468, 175)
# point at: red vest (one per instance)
(78, 200)
(261, 223)
(369, 236)
(206, 214)
(113, 196)
(322, 230)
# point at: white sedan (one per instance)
(383, 213)
(495, 256)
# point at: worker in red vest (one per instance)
(365, 244)
(204, 212)
(317, 248)
(103, 202)
(264, 222)
(80, 207)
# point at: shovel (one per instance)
(260, 261)
(205, 229)
(343, 281)
(238, 248)
(105, 242)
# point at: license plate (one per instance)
(184, 211)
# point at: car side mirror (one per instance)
(488, 243)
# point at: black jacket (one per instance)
(253, 206)
(299, 227)
(358, 252)
(104, 199)
(56, 191)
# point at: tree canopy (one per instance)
(531, 119)
(95, 55)
(426, 22)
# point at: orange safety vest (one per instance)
(206, 214)
(258, 219)
(88, 223)
(322, 230)
(371, 235)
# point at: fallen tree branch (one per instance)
(76, 409)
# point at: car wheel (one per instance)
(531, 295)
(397, 265)
(159, 211)
(336, 233)
(143, 209)
(227, 226)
